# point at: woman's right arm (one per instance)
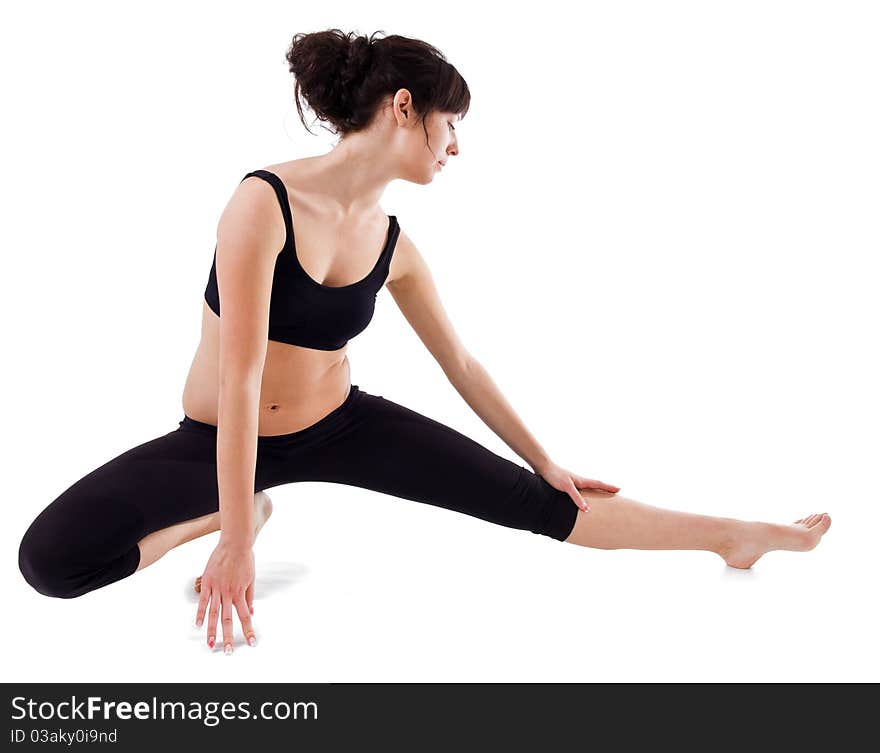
(247, 246)
(250, 235)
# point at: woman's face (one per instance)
(426, 148)
(442, 140)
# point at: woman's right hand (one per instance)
(228, 581)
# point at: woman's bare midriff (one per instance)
(299, 387)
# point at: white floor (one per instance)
(341, 597)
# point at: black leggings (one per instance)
(87, 538)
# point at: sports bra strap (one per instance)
(280, 192)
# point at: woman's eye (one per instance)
(452, 126)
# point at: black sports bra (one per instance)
(302, 310)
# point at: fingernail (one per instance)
(211, 642)
(198, 623)
(252, 641)
(227, 649)
(252, 610)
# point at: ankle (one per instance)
(731, 534)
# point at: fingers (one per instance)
(579, 482)
(249, 597)
(226, 609)
(584, 483)
(590, 483)
(221, 606)
(213, 613)
(579, 500)
(244, 618)
(203, 605)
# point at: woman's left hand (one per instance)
(569, 482)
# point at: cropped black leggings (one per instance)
(87, 537)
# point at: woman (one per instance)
(268, 400)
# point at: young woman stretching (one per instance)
(302, 250)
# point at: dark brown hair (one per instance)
(343, 77)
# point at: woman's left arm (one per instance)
(481, 393)
(412, 286)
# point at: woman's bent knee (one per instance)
(42, 570)
(66, 553)
(65, 576)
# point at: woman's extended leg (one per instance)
(617, 522)
(384, 446)
(381, 445)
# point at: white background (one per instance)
(660, 238)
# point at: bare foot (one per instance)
(262, 511)
(756, 539)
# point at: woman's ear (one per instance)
(403, 102)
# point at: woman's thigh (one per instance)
(87, 537)
(395, 450)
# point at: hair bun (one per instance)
(355, 70)
(360, 51)
(345, 77)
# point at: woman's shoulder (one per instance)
(293, 172)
